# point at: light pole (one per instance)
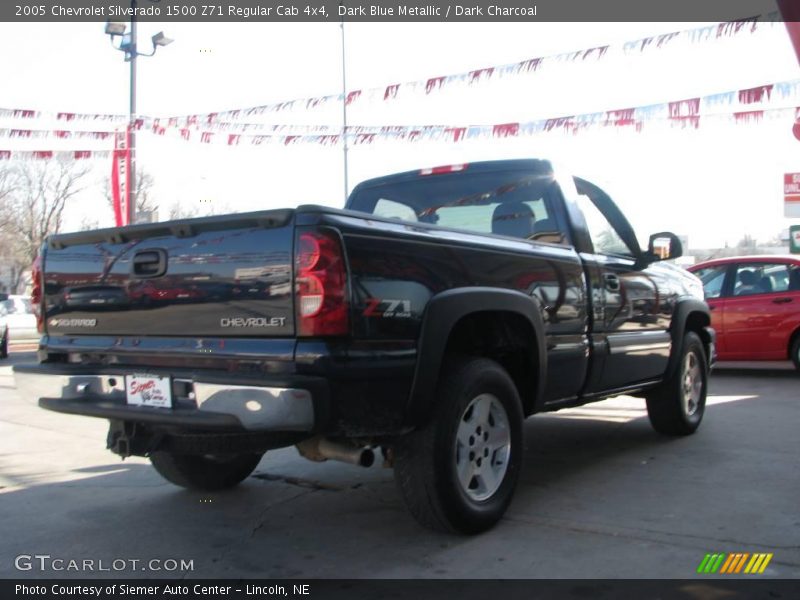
(128, 45)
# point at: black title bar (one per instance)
(734, 588)
(387, 10)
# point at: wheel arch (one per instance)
(486, 322)
(690, 315)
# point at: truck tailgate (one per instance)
(227, 276)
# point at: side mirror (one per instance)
(664, 246)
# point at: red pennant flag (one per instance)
(620, 118)
(748, 116)
(530, 65)
(475, 76)
(684, 108)
(352, 97)
(506, 130)
(755, 95)
(458, 133)
(391, 91)
(434, 83)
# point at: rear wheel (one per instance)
(207, 472)
(677, 407)
(458, 472)
(795, 352)
(4, 345)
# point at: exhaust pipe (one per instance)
(320, 449)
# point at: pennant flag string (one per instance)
(744, 100)
(742, 106)
(434, 84)
(618, 119)
(230, 119)
(58, 133)
(671, 114)
(26, 155)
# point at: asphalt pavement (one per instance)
(601, 496)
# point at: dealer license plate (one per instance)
(148, 390)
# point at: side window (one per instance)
(761, 278)
(604, 238)
(712, 278)
(394, 210)
(794, 278)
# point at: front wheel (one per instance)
(4, 345)
(204, 472)
(678, 405)
(458, 472)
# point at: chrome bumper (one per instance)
(257, 408)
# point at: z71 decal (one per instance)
(386, 308)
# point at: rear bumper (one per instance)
(214, 401)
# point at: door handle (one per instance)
(612, 282)
(781, 300)
(149, 263)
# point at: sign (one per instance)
(794, 239)
(121, 176)
(791, 195)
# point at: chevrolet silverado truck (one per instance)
(425, 321)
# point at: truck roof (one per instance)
(529, 164)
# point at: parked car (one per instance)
(3, 340)
(17, 322)
(755, 306)
(427, 320)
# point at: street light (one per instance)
(128, 45)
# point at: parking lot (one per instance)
(601, 496)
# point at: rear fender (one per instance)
(443, 313)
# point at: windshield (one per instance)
(512, 203)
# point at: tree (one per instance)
(33, 197)
(143, 192)
(8, 185)
(176, 211)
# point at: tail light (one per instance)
(320, 285)
(36, 292)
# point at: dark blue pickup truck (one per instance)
(426, 321)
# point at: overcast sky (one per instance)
(714, 184)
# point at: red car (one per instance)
(755, 306)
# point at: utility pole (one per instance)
(129, 45)
(344, 111)
(132, 53)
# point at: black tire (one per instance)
(4, 345)
(426, 460)
(204, 472)
(678, 405)
(795, 352)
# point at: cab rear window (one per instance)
(508, 203)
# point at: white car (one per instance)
(17, 322)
